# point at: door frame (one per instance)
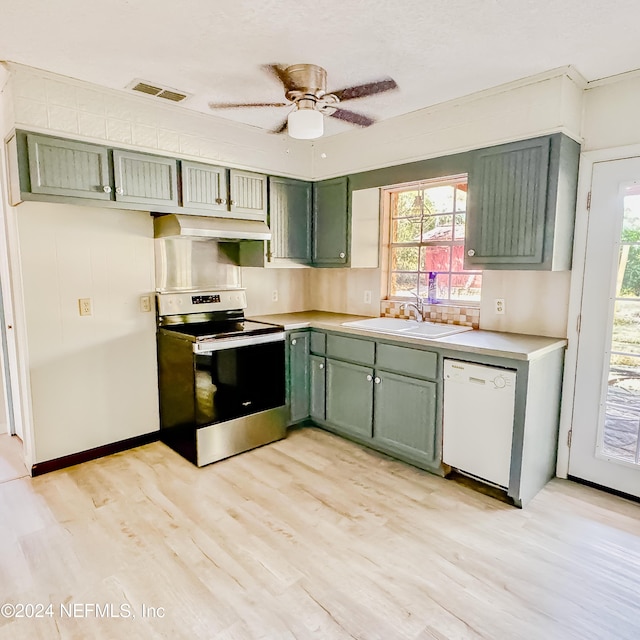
(587, 161)
(14, 316)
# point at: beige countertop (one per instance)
(490, 343)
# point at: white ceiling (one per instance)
(436, 50)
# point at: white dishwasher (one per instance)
(477, 428)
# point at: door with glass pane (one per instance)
(605, 446)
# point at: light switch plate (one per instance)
(145, 304)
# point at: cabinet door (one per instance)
(349, 397)
(405, 415)
(204, 187)
(298, 376)
(317, 366)
(290, 219)
(66, 168)
(330, 222)
(145, 179)
(248, 195)
(507, 204)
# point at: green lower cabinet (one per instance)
(317, 371)
(298, 376)
(405, 416)
(349, 397)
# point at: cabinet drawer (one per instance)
(318, 342)
(352, 349)
(422, 364)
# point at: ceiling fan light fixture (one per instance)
(305, 124)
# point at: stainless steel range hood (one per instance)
(206, 228)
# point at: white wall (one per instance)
(536, 302)
(611, 112)
(93, 379)
(292, 287)
(342, 290)
(534, 106)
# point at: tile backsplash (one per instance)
(447, 314)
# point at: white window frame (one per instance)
(409, 186)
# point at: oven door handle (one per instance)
(234, 343)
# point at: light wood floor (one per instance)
(312, 537)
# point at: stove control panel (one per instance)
(208, 299)
(201, 302)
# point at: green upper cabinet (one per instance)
(204, 187)
(248, 195)
(66, 168)
(290, 219)
(331, 222)
(298, 377)
(521, 205)
(145, 179)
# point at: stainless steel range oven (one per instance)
(222, 377)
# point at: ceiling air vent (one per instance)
(159, 92)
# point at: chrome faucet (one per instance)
(418, 305)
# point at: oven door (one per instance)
(237, 377)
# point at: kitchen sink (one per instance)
(407, 327)
(435, 330)
(385, 325)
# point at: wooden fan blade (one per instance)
(364, 90)
(238, 105)
(281, 128)
(279, 72)
(352, 117)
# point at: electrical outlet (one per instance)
(145, 304)
(85, 306)
(274, 295)
(367, 297)
(500, 308)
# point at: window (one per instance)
(427, 222)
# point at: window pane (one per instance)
(459, 229)
(442, 286)
(406, 203)
(466, 287)
(439, 199)
(437, 228)
(461, 197)
(404, 284)
(626, 327)
(435, 258)
(622, 417)
(457, 258)
(405, 230)
(404, 259)
(628, 282)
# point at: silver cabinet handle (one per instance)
(377, 380)
(219, 201)
(471, 252)
(231, 203)
(119, 191)
(342, 254)
(321, 366)
(294, 341)
(106, 188)
(369, 378)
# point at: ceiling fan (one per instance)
(305, 88)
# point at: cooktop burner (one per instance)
(212, 330)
